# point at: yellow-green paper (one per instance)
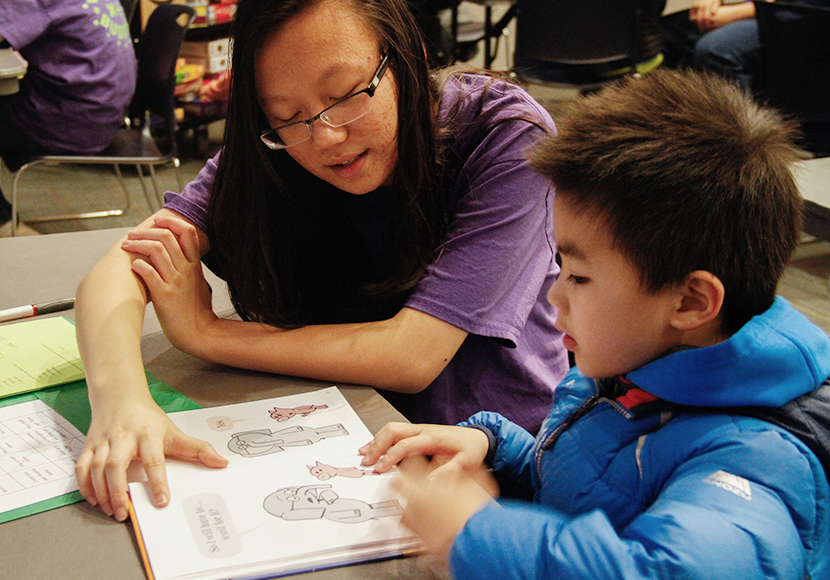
(38, 354)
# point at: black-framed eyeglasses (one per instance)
(341, 113)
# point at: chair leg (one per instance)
(177, 167)
(14, 206)
(156, 187)
(70, 216)
(150, 204)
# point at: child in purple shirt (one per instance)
(79, 80)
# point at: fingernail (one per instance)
(120, 514)
(161, 498)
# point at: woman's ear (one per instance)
(701, 300)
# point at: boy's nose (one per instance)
(555, 296)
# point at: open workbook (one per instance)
(293, 498)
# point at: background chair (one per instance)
(150, 137)
(129, 7)
(467, 37)
(795, 66)
(576, 43)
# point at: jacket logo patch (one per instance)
(737, 485)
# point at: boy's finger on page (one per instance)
(388, 435)
(415, 469)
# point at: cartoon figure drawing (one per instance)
(265, 441)
(313, 502)
(323, 472)
(303, 410)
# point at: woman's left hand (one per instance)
(171, 268)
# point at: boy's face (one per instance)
(611, 324)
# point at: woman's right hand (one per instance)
(133, 430)
(170, 267)
(458, 450)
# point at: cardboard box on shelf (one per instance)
(205, 48)
(212, 65)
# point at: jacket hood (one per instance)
(774, 358)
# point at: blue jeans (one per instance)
(732, 50)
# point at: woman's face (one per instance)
(315, 59)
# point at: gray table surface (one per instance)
(78, 541)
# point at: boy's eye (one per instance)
(577, 279)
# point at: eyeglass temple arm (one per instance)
(384, 64)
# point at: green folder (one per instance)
(72, 402)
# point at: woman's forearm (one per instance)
(110, 306)
(404, 353)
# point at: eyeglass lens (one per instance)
(341, 113)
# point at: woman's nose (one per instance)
(325, 136)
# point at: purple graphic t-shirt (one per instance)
(492, 274)
(81, 71)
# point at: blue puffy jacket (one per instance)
(629, 483)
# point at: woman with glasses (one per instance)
(375, 224)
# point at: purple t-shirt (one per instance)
(81, 71)
(492, 273)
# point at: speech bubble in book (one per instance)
(211, 525)
(220, 423)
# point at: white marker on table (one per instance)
(35, 309)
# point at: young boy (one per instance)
(675, 214)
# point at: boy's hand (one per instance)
(438, 506)
(457, 450)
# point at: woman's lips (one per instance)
(350, 167)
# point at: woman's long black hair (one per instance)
(277, 233)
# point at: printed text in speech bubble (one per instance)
(212, 527)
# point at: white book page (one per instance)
(293, 495)
(38, 450)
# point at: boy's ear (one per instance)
(701, 299)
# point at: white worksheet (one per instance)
(38, 450)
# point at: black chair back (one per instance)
(129, 7)
(157, 52)
(795, 65)
(575, 32)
